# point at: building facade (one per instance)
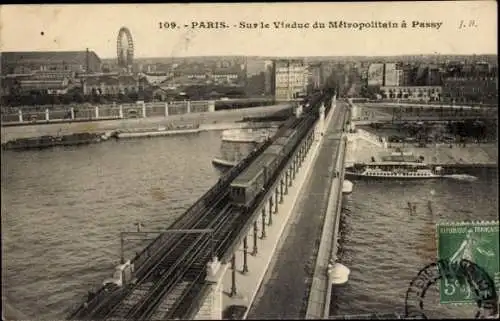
(390, 75)
(375, 74)
(416, 93)
(50, 61)
(316, 76)
(290, 79)
(471, 90)
(108, 85)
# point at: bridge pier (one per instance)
(281, 190)
(294, 168)
(276, 194)
(245, 249)
(263, 232)
(255, 231)
(271, 210)
(233, 276)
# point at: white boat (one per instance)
(395, 166)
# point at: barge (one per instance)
(160, 131)
(52, 141)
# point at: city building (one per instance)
(376, 74)
(434, 76)
(326, 72)
(471, 89)
(409, 73)
(41, 82)
(416, 93)
(390, 75)
(108, 85)
(76, 61)
(268, 78)
(290, 79)
(156, 78)
(226, 75)
(400, 77)
(316, 76)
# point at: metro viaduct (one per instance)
(179, 274)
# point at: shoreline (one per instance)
(212, 119)
(133, 134)
(363, 150)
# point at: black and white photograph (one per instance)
(231, 161)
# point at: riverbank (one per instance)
(483, 155)
(210, 120)
(47, 141)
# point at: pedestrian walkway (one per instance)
(247, 284)
(284, 293)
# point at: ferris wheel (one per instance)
(125, 47)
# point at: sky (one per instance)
(95, 26)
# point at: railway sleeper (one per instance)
(176, 273)
(189, 243)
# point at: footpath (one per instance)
(283, 294)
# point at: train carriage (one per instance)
(276, 152)
(281, 141)
(274, 149)
(250, 183)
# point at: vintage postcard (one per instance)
(249, 160)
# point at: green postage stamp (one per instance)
(477, 242)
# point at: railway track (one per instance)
(145, 279)
(193, 270)
(196, 281)
(161, 286)
(186, 259)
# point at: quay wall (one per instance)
(208, 120)
(360, 149)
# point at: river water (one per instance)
(63, 209)
(385, 246)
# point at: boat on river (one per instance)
(48, 141)
(160, 131)
(398, 165)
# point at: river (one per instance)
(385, 246)
(63, 209)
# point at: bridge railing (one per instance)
(372, 316)
(141, 259)
(93, 112)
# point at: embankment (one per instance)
(209, 120)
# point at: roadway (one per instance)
(226, 116)
(387, 104)
(284, 292)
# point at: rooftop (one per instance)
(47, 56)
(254, 168)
